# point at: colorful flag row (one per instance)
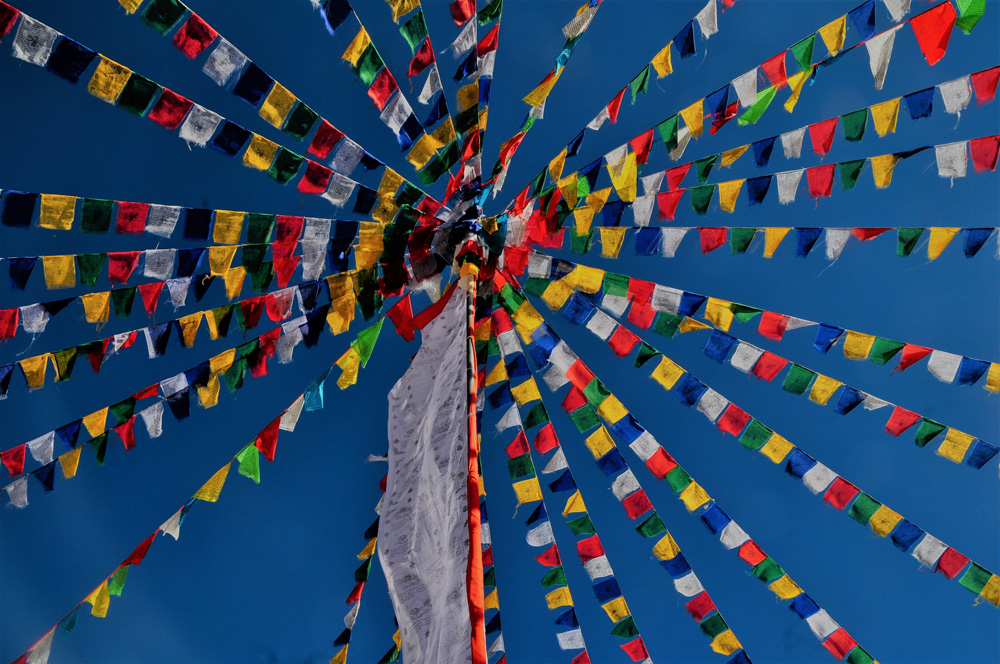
(625, 488)
(932, 29)
(818, 478)
(647, 298)
(37, 43)
(248, 465)
(491, 598)
(366, 554)
(588, 400)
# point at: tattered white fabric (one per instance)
(556, 463)
(616, 159)
(17, 491)
(425, 566)
(339, 190)
(495, 647)
(733, 536)
(746, 88)
(951, 161)
(508, 343)
(40, 653)
(818, 478)
(41, 447)
(484, 535)
(34, 41)
(788, 185)
(929, 550)
(821, 624)
(162, 219)
(285, 345)
(689, 585)
(601, 324)
(34, 318)
(708, 19)
(642, 208)
(199, 126)
(316, 229)
(539, 266)
(432, 85)
(151, 343)
(173, 385)
(579, 22)
(348, 156)
(624, 484)
(683, 138)
(798, 323)
(598, 568)
(616, 304)
(897, 8)
(644, 446)
(598, 122)
(465, 40)
(872, 402)
(352, 616)
(836, 238)
(666, 299)
(540, 535)
(224, 61)
(172, 526)
(485, 66)
(745, 356)
(791, 143)
(291, 416)
(159, 264)
(879, 53)
(178, 289)
(396, 112)
(670, 239)
(152, 417)
(313, 255)
(944, 366)
(712, 404)
(571, 640)
(956, 94)
(511, 418)
(651, 183)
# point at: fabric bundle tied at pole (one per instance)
(424, 535)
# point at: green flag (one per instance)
(884, 350)
(490, 12)
(863, 508)
(740, 239)
(249, 459)
(972, 11)
(640, 84)
(89, 266)
(798, 379)
(854, 124)
(803, 52)
(701, 197)
(760, 105)
(668, 132)
(365, 343)
(581, 525)
(651, 527)
(117, 582)
(704, 166)
(743, 313)
(906, 240)
(414, 31)
(554, 577)
(849, 173)
(96, 215)
(927, 431)
(646, 353)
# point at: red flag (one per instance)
(951, 563)
(865, 234)
(660, 463)
(489, 42)
(840, 493)
(840, 643)
(170, 109)
(131, 218)
(666, 203)
(589, 548)
(910, 355)
(252, 309)
(985, 84)
(283, 249)
(546, 439)
(616, 104)
(8, 15)
(550, 558)
(774, 69)
(126, 431)
(636, 649)
(14, 460)
(900, 421)
(733, 420)
(518, 446)
(151, 295)
(725, 117)
(401, 316)
(640, 146)
(821, 135)
(316, 178)
(636, 504)
(284, 268)
(488, 555)
(579, 374)
(984, 153)
(642, 314)
(712, 238)
(139, 554)
(382, 88)
(751, 553)
(121, 264)
(820, 180)
(700, 606)
(768, 366)
(933, 30)
(147, 392)
(8, 322)
(640, 290)
(622, 341)
(267, 440)
(422, 60)
(462, 10)
(582, 658)
(676, 174)
(516, 259)
(574, 399)
(772, 325)
(355, 595)
(194, 36)
(501, 322)
(327, 136)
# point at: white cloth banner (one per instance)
(423, 535)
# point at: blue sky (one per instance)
(261, 576)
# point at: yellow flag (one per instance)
(526, 392)
(884, 520)
(341, 313)
(796, 82)
(776, 448)
(357, 46)
(667, 372)
(233, 278)
(597, 199)
(396, 639)
(209, 394)
(96, 306)
(991, 591)
(833, 34)
(109, 78)
(60, 271)
(584, 216)
(729, 156)
(445, 134)
(955, 445)
(823, 389)
(940, 238)
(423, 149)
(612, 240)
(369, 549)
(567, 186)
(694, 496)
(666, 548)
(728, 193)
(69, 462)
(527, 491)
(213, 318)
(692, 325)
(718, 313)
(228, 226)
(210, 490)
(785, 588)
(130, 5)
(497, 375)
(260, 154)
(661, 63)
(220, 258)
(726, 643)
(222, 361)
(624, 177)
(34, 370)
(527, 320)
(340, 657)
(586, 279)
(574, 505)
(467, 96)
(340, 284)
(993, 378)
(557, 164)
(599, 443)
(94, 423)
(57, 212)
(350, 363)
(858, 346)
(773, 238)
(616, 609)
(559, 597)
(277, 105)
(491, 601)
(390, 182)
(538, 95)
(611, 409)
(885, 115)
(694, 118)
(556, 294)
(483, 116)
(99, 600)
(189, 328)
(882, 169)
